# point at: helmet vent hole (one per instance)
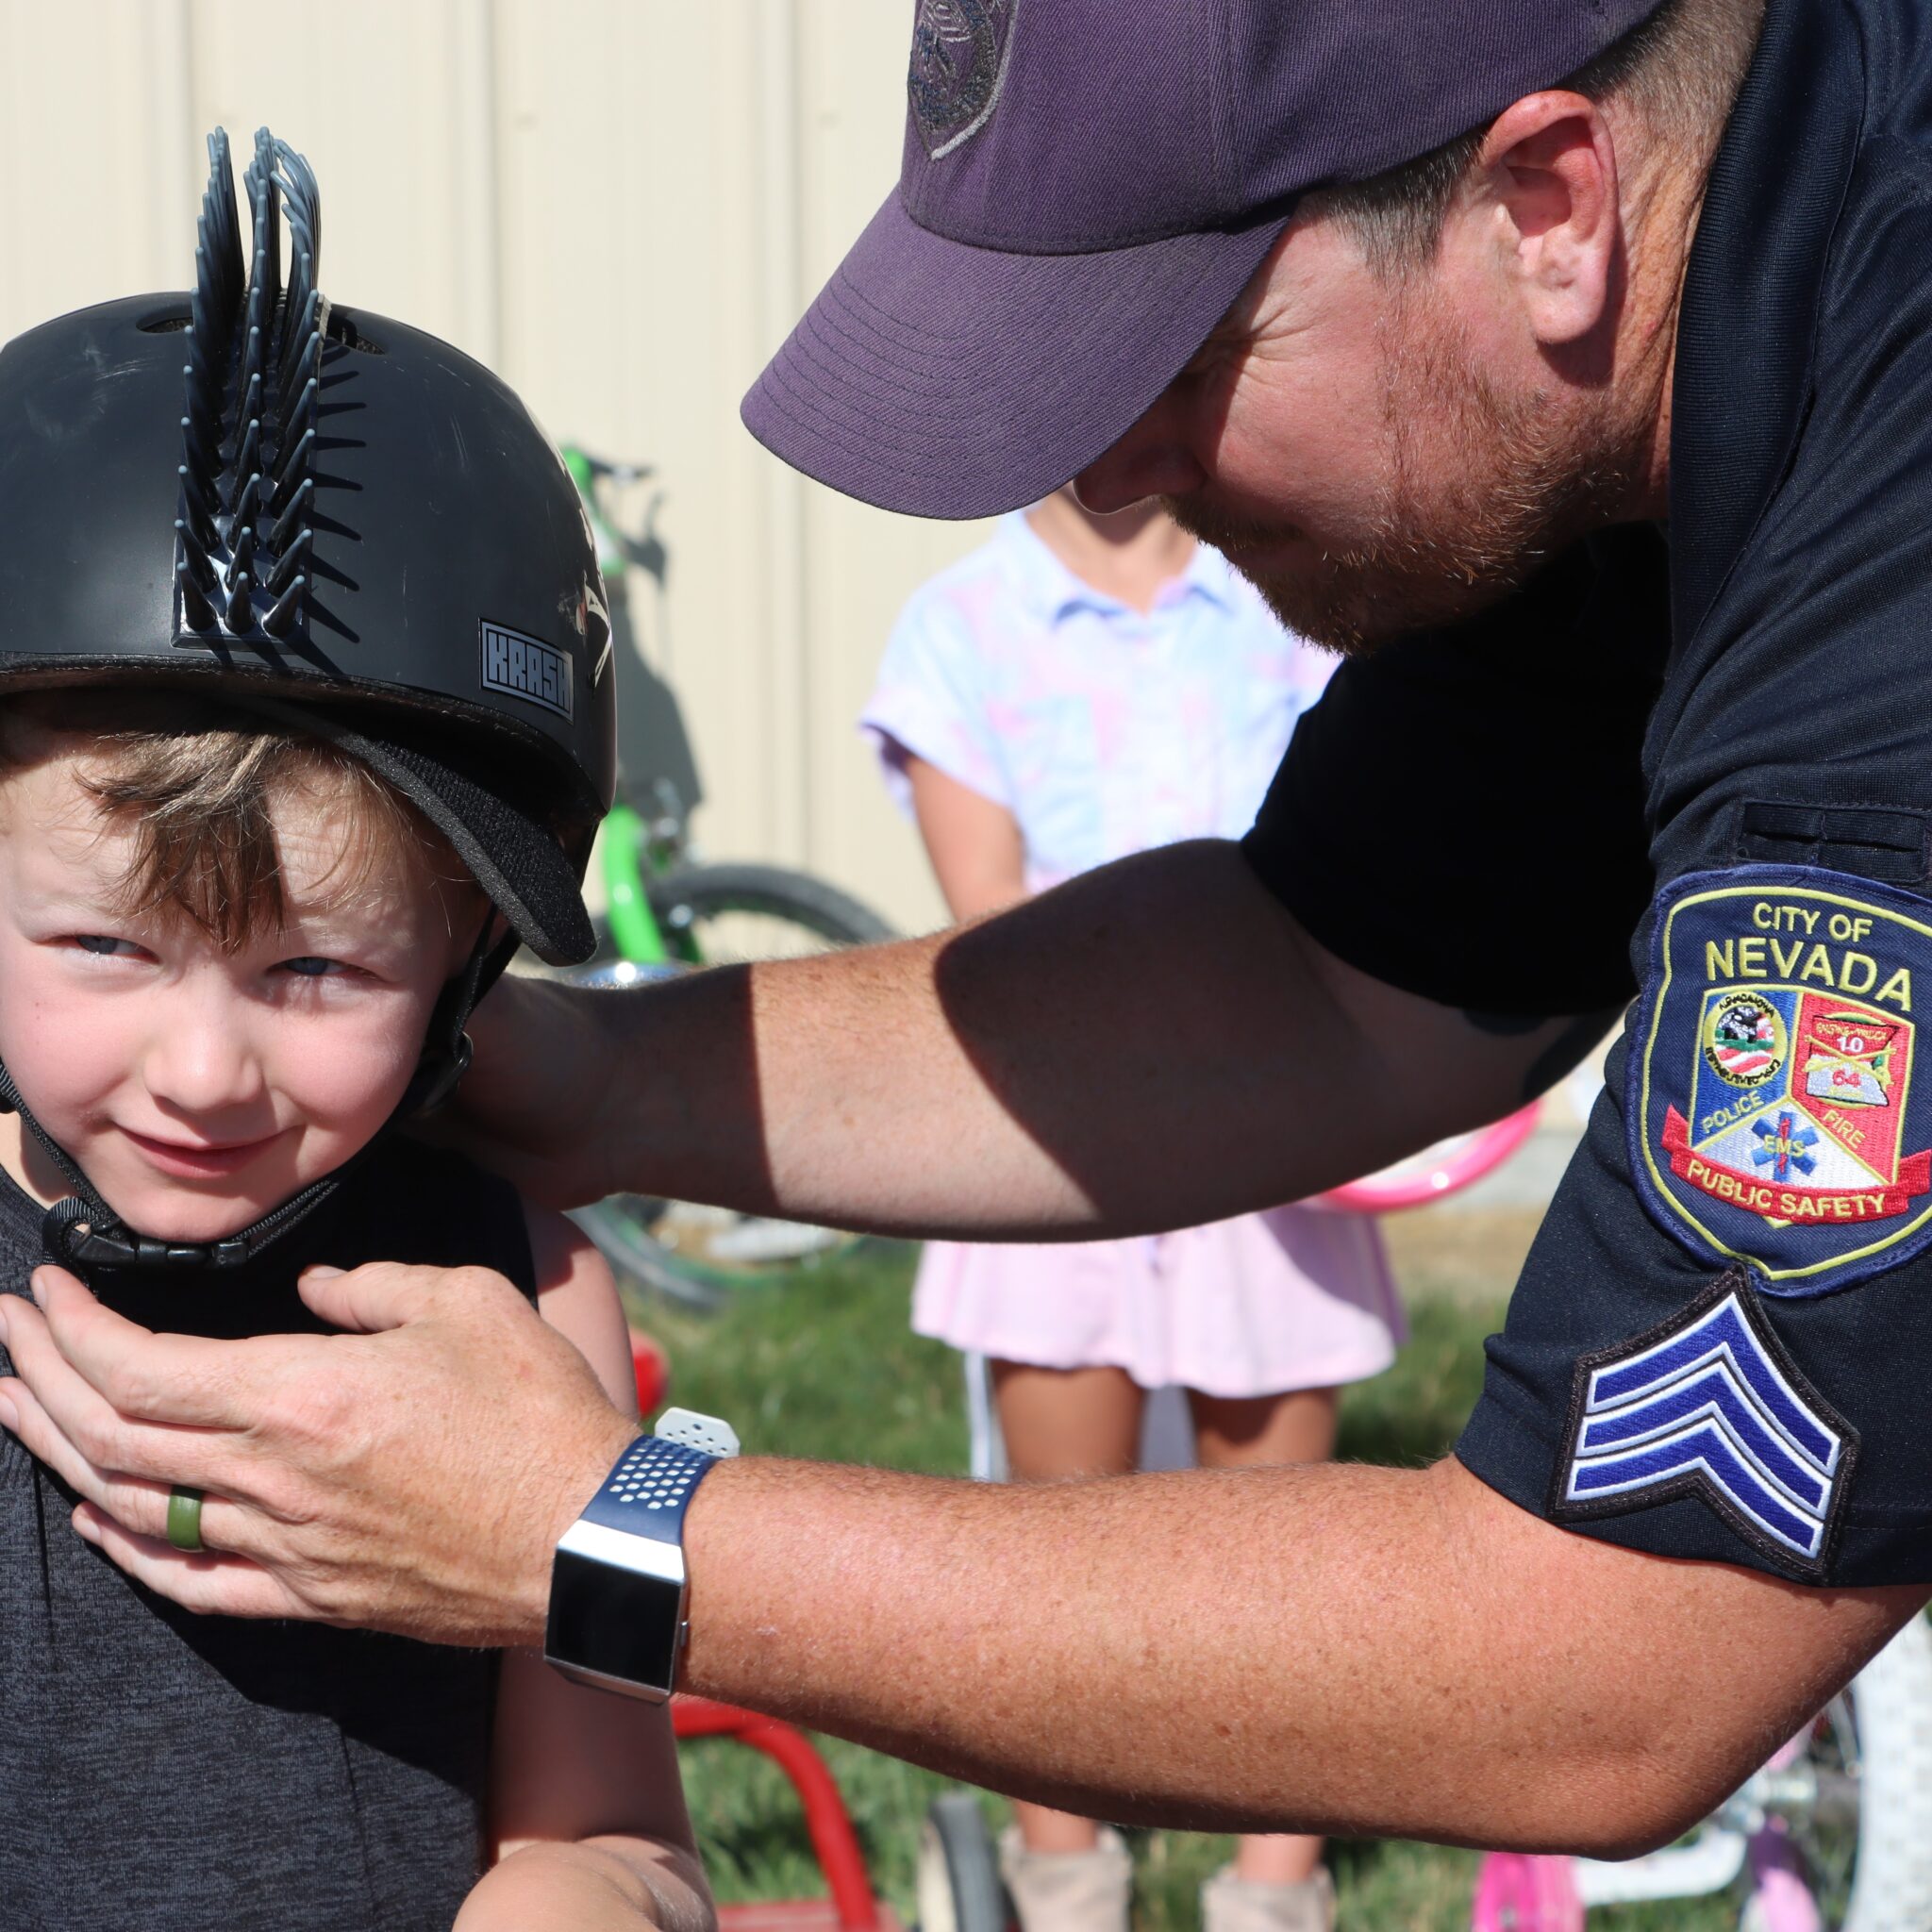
(166, 321)
(341, 329)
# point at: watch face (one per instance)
(611, 1622)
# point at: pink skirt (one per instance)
(1295, 1298)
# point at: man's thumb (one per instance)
(367, 1300)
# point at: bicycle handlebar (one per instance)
(603, 468)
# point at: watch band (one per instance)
(617, 1580)
(649, 1488)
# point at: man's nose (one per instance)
(1153, 459)
(201, 1059)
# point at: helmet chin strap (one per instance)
(83, 1231)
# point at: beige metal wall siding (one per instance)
(621, 205)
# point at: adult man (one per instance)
(1440, 423)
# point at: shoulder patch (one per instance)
(1709, 1405)
(1775, 1112)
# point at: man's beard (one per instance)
(1484, 488)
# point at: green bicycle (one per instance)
(664, 913)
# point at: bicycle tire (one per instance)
(702, 1256)
(1891, 1699)
(1437, 1172)
(957, 1875)
(681, 900)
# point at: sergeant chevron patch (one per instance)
(1709, 1405)
(1776, 1113)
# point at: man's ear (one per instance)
(1546, 183)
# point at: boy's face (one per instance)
(198, 1089)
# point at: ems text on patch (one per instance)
(526, 669)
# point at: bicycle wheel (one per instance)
(1879, 1755)
(1437, 1172)
(716, 915)
(956, 1877)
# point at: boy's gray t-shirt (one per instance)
(163, 1770)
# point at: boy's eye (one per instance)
(308, 966)
(100, 943)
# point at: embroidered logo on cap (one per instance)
(958, 61)
(1775, 1113)
(1709, 1405)
(526, 669)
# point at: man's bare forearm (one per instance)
(1337, 1649)
(1152, 1045)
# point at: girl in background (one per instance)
(1078, 689)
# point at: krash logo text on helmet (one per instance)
(958, 62)
(527, 668)
(1775, 1114)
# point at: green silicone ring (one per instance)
(184, 1520)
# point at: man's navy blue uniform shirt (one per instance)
(1722, 746)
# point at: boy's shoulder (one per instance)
(428, 1207)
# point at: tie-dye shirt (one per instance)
(1104, 731)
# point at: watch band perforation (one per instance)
(649, 1487)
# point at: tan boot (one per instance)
(1068, 1891)
(1244, 1904)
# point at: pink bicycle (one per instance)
(1437, 1172)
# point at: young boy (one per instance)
(284, 777)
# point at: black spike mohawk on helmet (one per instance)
(242, 536)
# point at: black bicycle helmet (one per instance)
(332, 519)
(311, 507)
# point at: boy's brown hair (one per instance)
(198, 781)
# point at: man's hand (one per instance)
(413, 1475)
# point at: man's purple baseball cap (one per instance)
(1087, 187)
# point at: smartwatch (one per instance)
(617, 1582)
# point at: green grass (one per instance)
(824, 1365)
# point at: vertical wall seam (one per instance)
(478, 115)
(787, 810)
(796, 297)
(174, 173)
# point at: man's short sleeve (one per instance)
(1462, 815)
(1721, 1340)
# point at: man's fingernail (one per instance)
(85, 1526)
(10, 1416)
(321, 1272)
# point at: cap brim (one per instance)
(944, 380)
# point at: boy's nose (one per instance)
(201, 1061)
